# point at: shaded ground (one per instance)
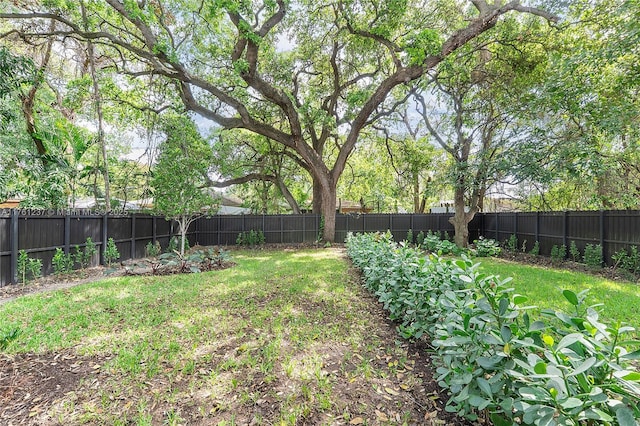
(387, 382)
(46, 390)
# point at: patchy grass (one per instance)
(543, 286)
(284, 338)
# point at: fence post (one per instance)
(133, 236)
(103, 248)
(602, 231)
(537, 226)
(565, 230)
(304, 230)
(515, 226)
(218, 230)
(154, 230)
(391, 224)
(67, 233)
(281, 229)
(14, 245)
(497, 226)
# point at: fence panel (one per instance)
(40, 235)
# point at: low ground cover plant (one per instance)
(195, 261)
(432, 243)
(487, 247)
(494, 358)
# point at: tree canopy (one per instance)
(304, 95)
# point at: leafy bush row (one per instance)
(491, 356)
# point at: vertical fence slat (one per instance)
(14, 245)
(67, 233)
(565, 228)
(105, 232)
(133, 236)
(602, 239)
(154, 225)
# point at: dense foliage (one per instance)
(565, 368)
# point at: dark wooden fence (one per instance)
(613, 230)
(304, 228)
(40, 234)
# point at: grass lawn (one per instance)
(543, 286)
(283, 338)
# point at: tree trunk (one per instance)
(416, 195)
(184, 224)
(460, 220)
(317, 196)
(98, 101)
(328, 210)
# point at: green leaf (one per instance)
(467, 279)
(538, 325)
(571, 297)
(597, 395)
(587, 364)
(519, 299)
(569, 340)
(570, 403)
(534, 394)
(633, 376)
(484, 386)
(504, 304)
(632, 355)
(625, 417)
(506, 333)
(540, 368)
(596, 414)
(478, 401)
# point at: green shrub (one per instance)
(84, 256)
(558, 253)
(574, 251)
(62, 262)
(433, 244)
(593, 255)
(153, 250)
(28, 268)
(512, 243)
(409, 238)
(487, 247)
(420, 238)
(111, 253)
(564, 368)
(535, 251)
(250, 238)
(628, 261)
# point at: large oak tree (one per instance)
(308, 75)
